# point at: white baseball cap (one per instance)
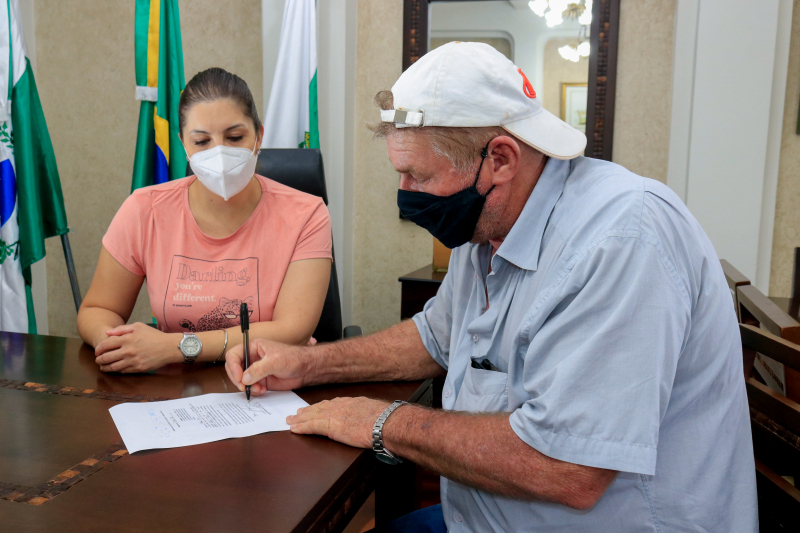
(473, 85)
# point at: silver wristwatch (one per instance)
(377, 436)
(190, 347)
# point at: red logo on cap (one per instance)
(526, 85)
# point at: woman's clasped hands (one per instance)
(135, 348)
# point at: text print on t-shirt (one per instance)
(206, 295)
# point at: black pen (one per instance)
(244, 319)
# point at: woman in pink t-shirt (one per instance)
(208, 243)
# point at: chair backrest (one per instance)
(301, 169)
(735, 280)
(775, 422)
(757, 310)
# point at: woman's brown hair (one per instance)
(215, 84)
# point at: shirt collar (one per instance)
(522, 244)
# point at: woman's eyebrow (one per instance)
(226, 129)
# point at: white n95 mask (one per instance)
(224, 170)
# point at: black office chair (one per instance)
(301, 169)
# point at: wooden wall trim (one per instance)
(415, 31)
(603, 79)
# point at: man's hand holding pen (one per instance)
(273, 366)
(277, 366)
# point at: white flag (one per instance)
(291, 117)
(13, 303)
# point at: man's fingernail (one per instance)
(246, 379)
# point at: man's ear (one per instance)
(503, 161)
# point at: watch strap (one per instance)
(377, 435)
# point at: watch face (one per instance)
(191, 346)
(387, 459)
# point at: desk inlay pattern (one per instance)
(301, 483)
(72, 391)
(50, 489)
(47, 491)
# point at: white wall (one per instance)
(336, 58)
(271, 18)
(336, 34)
(731, 58)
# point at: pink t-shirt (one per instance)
(197, 283)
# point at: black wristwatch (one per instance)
(377, 436)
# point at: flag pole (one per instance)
(73, 278)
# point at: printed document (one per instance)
(200, 419)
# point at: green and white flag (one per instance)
(31, 203)
(291, 119)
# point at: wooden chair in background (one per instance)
(757, 310)
(775, 422)
(735, 280)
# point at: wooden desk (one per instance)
(61, 453)
(417, 288)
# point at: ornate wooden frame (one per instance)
(602, 66)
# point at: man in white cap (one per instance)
(593, 363)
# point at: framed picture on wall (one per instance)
(573, 105)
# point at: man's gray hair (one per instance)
(460, 146)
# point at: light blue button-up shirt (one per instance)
(617, 343)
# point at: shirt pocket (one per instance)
(483, 391)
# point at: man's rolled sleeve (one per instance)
(598, 373)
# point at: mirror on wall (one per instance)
(567, 49)
(553, 52)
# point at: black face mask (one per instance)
(451, 219)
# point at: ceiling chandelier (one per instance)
(554, 12)
(571, 9)
(575, 53)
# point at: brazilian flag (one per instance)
(159, 82)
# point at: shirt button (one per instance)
(447, 393)
(475, 337)
(459, 518)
